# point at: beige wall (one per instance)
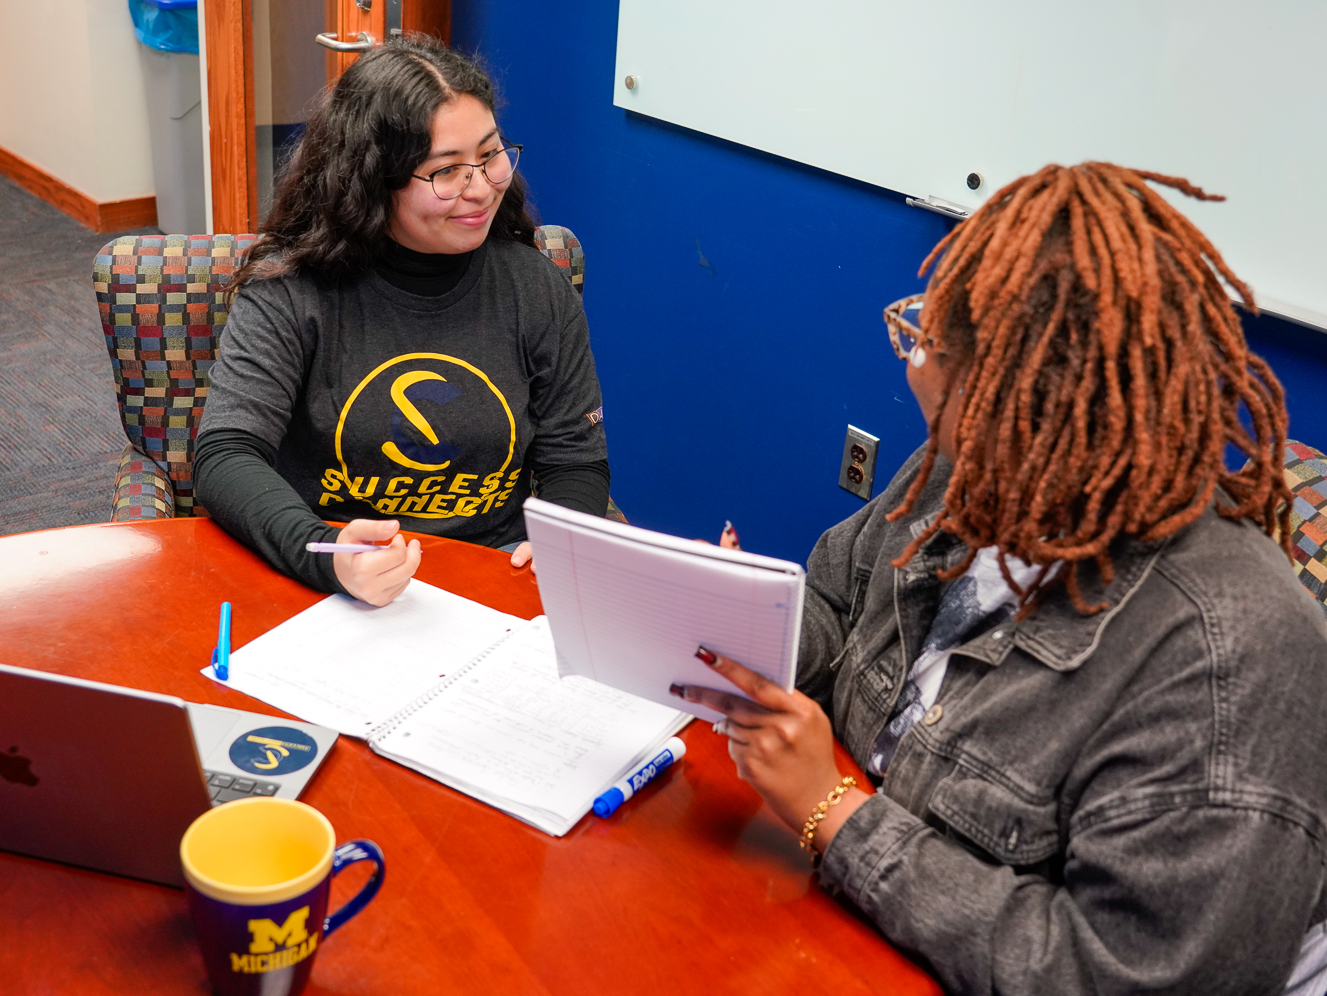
(71, 95)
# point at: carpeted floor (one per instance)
(61, 433)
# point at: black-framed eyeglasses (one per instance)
(903, 318)
(450, 182)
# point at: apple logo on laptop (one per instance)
(14, 767)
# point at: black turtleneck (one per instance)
(427, 274)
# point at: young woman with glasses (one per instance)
(1066, 642)
(398, 352)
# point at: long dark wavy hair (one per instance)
(333, 204)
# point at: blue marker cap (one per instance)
(606, 804)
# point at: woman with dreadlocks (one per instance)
(1066, 640)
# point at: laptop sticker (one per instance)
(273, 750)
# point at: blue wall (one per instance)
(1298, 356)
(734, 297)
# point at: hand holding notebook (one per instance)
(628, 607)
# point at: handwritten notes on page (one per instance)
(348, 665)
(507, 731)
(628, 607)
(462, 693)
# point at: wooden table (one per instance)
(692, 887)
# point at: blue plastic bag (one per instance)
(168, 25)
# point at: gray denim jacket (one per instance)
(1127, 802)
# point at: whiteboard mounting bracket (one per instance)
(940, 206)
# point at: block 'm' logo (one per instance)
(296, 944)
(267, 935)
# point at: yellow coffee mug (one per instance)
(258, 873)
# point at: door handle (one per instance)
(327, 39)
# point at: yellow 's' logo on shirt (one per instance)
(417, 441)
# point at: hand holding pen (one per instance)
(522, 555)
(373, 574)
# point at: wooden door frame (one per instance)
(228, 29)
(428, 17)
(231, 145)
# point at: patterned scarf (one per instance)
(974, 603)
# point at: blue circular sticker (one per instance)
(273, 750)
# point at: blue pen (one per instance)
(672, 750)
(221, 655)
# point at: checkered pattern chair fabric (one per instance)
(1306, 476)
(564, 249)
(142, 489)
(162, 303)
(163, 308)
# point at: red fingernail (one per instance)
(679, 690)
(708, 656)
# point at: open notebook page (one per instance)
(628, 607)
(509, 732)
(348, 665)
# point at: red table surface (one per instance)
(694, 886)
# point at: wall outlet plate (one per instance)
(857, 469)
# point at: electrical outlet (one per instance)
(857, 471)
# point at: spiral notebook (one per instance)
(628, 607)
(459, 692)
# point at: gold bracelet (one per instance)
(822, 809)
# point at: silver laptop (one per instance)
(110, 778)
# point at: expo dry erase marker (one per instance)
(672, 750)
(342, 547)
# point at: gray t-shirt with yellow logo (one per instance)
(431, 410)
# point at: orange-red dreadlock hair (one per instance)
(1107, 371)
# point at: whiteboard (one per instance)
(916, 96)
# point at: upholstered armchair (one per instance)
(1306, 476)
